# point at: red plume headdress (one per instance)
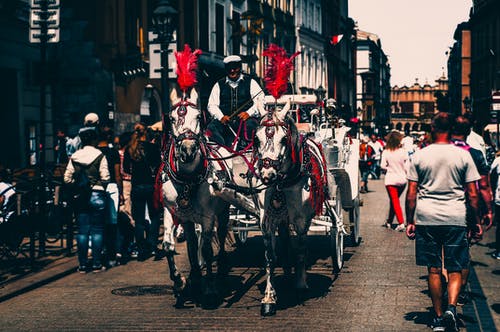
(187, 64)
(278, 70)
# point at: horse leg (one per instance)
(268, 303)
(300, 267)
(192, 249)
(222, 262)
(284, 248)
(210, 294)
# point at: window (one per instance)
(32, 144)
(204, 30)
(236, 33)
(219, 29)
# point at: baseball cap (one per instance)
(91, 119)
(232, 58)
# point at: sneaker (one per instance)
(82, 269)
(388, 225)
(463, 298)
(450, 319)
(113, 263)
(134, 254)
(400, 228)
(438, 324)
(496, 255)
(99, 268)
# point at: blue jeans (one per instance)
(90, 224)
(146, 235)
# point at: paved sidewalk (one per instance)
(379, 289)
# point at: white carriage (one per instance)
(341, 214)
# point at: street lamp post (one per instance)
(164, 23)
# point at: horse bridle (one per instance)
(270, 129)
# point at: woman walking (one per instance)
(142, 160)
(394, 164)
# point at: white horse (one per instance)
(188, 196)
(293, 169)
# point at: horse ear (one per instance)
(283, 112)
(194, 95)
(174, 95)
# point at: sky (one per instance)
(415, 34)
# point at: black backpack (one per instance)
(82, 187)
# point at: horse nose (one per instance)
(269, 177)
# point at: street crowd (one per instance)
(450, 176)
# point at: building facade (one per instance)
(412, 108)
(373, 83)
(484, 25)
(459, 70)
(311, 63)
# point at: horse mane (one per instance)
(294, 138)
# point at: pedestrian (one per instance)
(442, 174)
(60, 148)
(461, 129)
(495, 175)
(377, 153)
(114, 192)
(394, 163)
(125, 221)
(234, 103)
(142, 160)
(365, 162)
(90, 164)
(90, 122)
(474, 139)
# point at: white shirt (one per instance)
(395, 162)
(442, 172)
(377, 148)
(255, 91)
(495, 168)
(7, 191)
(477, 142)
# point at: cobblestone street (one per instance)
(379, 289)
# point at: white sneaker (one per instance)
(400, 228)
(388, 225)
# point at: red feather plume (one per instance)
(187, 64)
(278, 70)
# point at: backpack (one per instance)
(82, 187)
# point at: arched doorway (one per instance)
(415, 127)
(399, 126)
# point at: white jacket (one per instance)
(86, 156)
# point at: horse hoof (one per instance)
(268, 309)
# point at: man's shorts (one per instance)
(432, 241)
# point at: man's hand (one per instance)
(410, 231)
(475, 233)
(225, 119)
(487, 220)
(244, 116)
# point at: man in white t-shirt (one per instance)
(377, 149)
(439, 178)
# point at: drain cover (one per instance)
(151, 290)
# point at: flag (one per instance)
(336, 39)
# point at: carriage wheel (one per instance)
(337, 236)
(354, 219)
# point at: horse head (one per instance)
(275, 145)
(185, 118)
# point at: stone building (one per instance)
(459, 70)
(484, 25)
(412, 108)
(373, 83)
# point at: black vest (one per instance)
(232, 99)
